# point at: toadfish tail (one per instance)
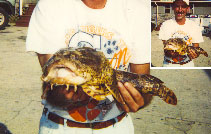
(163, 92)
(148, 84)
(167, 95)
(203, 52)
(200, 51)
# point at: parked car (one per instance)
(7, 7)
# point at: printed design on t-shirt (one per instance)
(90, 111)
(114, 48)
(188, 39)
(181, 34)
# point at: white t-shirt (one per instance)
(121, 30)
(190, 32)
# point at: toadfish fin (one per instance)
(91, 91)
(115, 92)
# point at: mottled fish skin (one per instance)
(182, 47)
(148, 84)
(199, 50)
(104, 78)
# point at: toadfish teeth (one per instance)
(75, 88)
(67, 87)
(51, 86)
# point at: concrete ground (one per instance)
(20, 91)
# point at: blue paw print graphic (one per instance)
(111, 47)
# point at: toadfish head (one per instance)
(71, 67)
(176, 45)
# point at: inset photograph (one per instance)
(181, 33)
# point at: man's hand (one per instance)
(79, 95)
(133, 99)
(59, 96)
(193, 54)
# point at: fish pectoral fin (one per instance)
(95, 92)
(115, 92)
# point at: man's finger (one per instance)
(135, 94)
(125, 94)
(130, 103)
(125, 107)
(193, 54)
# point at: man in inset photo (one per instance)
(181, 38)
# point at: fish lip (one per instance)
(170, 47)
(56, 67)
(63, 66)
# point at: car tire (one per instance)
(4, 18)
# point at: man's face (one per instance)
(180, 9)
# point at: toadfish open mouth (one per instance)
(170, 47)
(62, 71)
(65, 75)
